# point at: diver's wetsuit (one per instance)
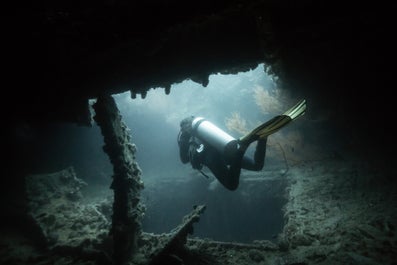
(226, 170)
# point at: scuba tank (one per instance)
(211, 134)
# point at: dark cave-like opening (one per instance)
(253, 212)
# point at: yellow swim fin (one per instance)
(275, 124)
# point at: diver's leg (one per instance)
(227, 176)
(260, 153)
(258, 162)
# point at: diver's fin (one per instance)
(275, 123)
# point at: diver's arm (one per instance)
(183, 143)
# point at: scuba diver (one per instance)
(203, 144)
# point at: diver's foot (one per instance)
(274, 124)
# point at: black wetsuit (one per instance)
(225, 169)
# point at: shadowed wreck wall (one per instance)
(336, 53)
(63, 54)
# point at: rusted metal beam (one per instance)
(126, 184)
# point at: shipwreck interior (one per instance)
(329, 181)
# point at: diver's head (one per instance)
(186, 124)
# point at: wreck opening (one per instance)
(236, 103)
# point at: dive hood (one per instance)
(211, 134)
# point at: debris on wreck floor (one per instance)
(176, 239)
(199, 251)
(55, 205)
(336, 213)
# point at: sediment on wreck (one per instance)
(126, 184)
